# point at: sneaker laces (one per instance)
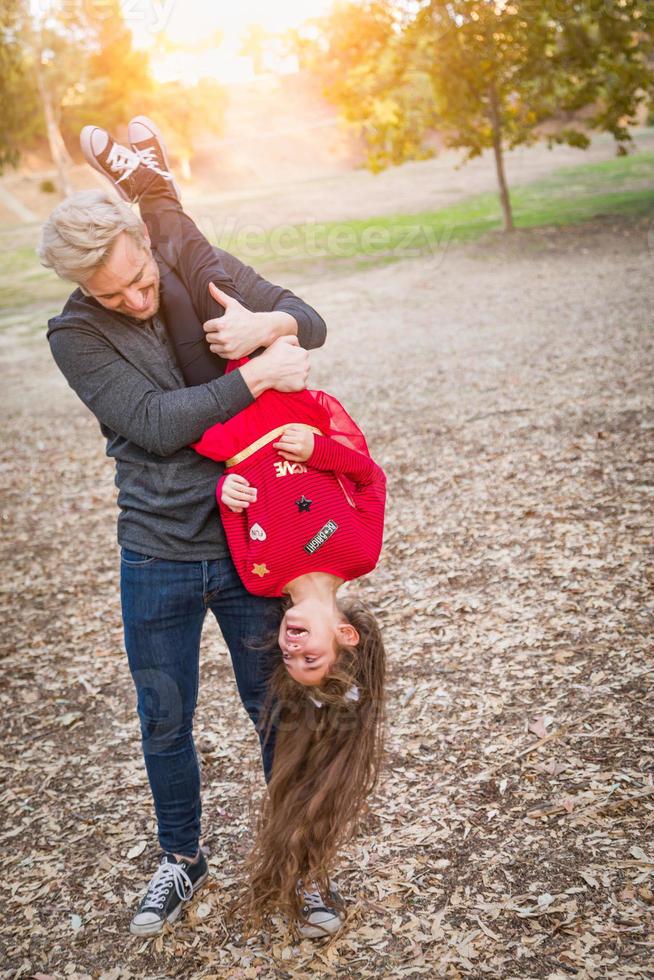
(165, 875)
(313, 899)
(148, 156)
(122, 161)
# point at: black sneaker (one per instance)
(146, 140)
(122, 166)
(172, 885)
(320, 917)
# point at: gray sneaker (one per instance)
(171, 887)
(127, 170)
(320, 917)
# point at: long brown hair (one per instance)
(326, 763)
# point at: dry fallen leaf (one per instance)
(137, 850)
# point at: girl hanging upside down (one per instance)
(302, 504)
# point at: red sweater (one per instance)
(323, 515)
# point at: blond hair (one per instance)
(79, 234)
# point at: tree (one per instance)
(20, 123)
(49, 38)
(67, 63)
(115, 82)
(486, 74)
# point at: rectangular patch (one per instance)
(319, 539)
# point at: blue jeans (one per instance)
(164, 605)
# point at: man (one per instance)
(110, 342)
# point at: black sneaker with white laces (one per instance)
(171, 887)
(125, 168)
(146, 140)
(320, 916)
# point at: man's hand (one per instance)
(236, 493)
(238, 332)
(283, 366)
(296, 443)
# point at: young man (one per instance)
(110, 342)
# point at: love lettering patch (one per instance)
(257, 533)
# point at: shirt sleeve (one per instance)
(122, 398)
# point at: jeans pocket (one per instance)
(129, 557)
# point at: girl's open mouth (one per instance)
(295, 631)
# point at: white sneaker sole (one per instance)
(327, 928)
(152, 928)
(89, 156)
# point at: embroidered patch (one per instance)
(303, 504)
(260, 570)
(319, 539)
(285, 467)
(257, 533)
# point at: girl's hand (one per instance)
(236, 493)
(296, 444)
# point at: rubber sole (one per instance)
(329, 928)
(89, 156)
(310, 930)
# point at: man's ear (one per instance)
(348, 636)
(146, 234)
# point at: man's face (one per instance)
(128, 281)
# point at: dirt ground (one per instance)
(506, 389)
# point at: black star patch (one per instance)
(303, 504)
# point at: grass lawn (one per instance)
(620, 187)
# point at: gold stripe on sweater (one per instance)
(264, 441)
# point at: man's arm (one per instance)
(273, 312)
(163, 422)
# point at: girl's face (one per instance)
(309, 636)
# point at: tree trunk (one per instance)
(58, 151)
(496, 124)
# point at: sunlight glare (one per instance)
(191, 26)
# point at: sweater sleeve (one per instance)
(368, 478)
(213, 443)
(235, 526)
(263, 297)
(328, 454)
(122, 398)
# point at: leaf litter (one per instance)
(506, 389)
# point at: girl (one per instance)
(302, 504)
